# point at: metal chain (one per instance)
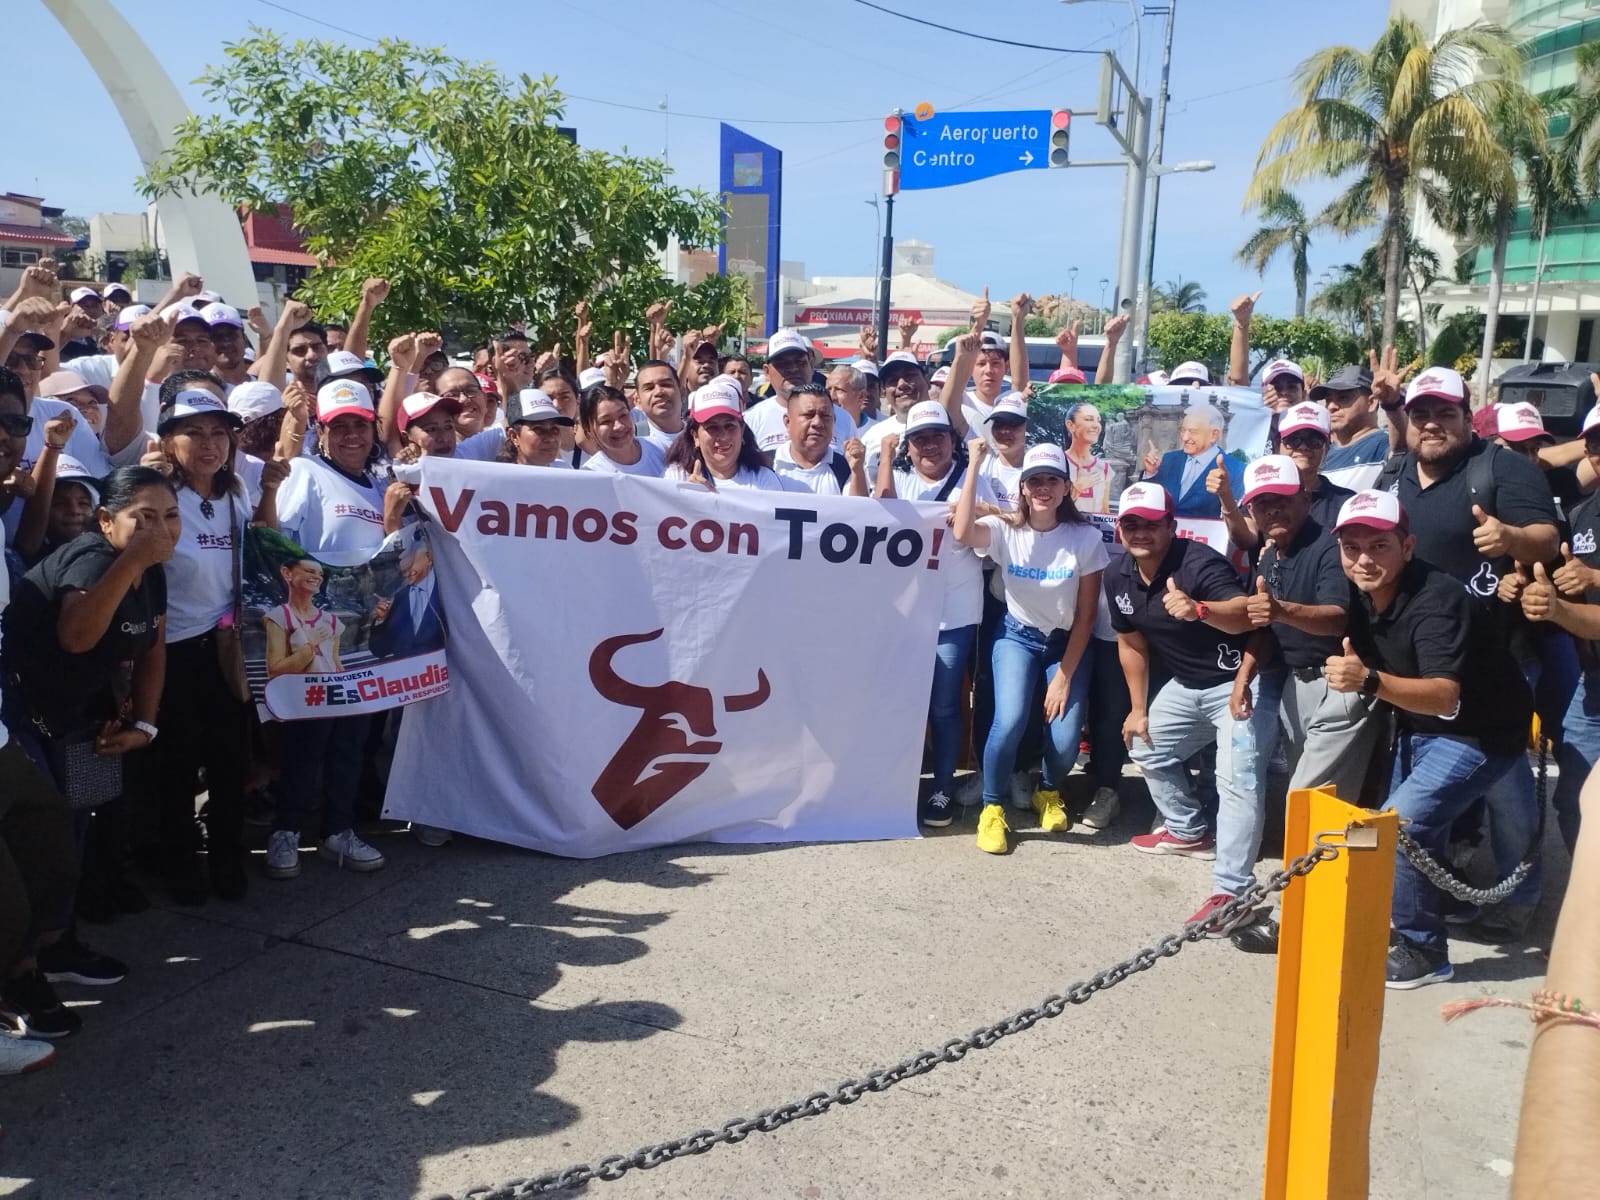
(1447, 881)
(769, 1120)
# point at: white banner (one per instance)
(637, 663)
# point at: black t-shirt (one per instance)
(69, 691)
(1433, 630)
(1326, 502)
(1310, 573)
(1192, 652)
(1567, 492)
(1585, 546)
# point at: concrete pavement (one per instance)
(474, 1013)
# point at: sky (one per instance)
(815, 80)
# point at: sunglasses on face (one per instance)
(461, 393)
(16, 424)
(1305, 441)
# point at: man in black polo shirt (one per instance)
(1298, 604)
(1421, 645)
(1177, 607)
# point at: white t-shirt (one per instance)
(1042, 571)
(819, 480)
(1003, 481)
(977, 414)
(659, 438)
(97, 370)
(766, 422)
(200, 571)
(650, 462)
(301, 631)
(963, 583)
(759, 481)
(328, 513)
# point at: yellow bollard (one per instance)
(1328, 1012)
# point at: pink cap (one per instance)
(1375, 510)
(417, 405)
(1301, 416)
(342, 397)
(1519, 422)
(719, 398)
(1067, 375)
(1147, 500)
(1443, 382)
(1271, 475)
(1283, 366)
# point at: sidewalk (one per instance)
(474, 1014)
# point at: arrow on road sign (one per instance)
(959, 147)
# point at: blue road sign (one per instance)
(959, 147)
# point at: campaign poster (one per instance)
(328, 640)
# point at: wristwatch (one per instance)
(1202, 610)
(1369, 685)
(145, 728)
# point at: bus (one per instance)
(1044, 356)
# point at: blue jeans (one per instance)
(1021, 654)
(1183, 721)
(1580, 750)
(944, 708)
(1433, 782)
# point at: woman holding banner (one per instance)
(716, 448)
(930, 471)
(1049, 560)
(606, 416)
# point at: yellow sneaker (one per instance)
(992, 830)
(1052, 816)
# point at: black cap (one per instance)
(1346, 379)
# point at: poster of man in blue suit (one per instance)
(410, 622)
(1183, 471)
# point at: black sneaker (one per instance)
(938, 810)
(36, 1001)
(70, 961)
(1413, 966)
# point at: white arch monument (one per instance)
(202, 233)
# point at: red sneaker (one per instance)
(1238, 921)
(1162, 842)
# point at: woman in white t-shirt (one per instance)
(1049, 560)
(930, 471)
(534, 437)
(332, 506)
(716, 448)
(605, 415)
(206, 725)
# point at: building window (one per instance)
(18, 258)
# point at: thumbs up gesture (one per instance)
(1572, 578)
(1345, 672)
(1512, 583)
(1261, 607)
(1179, 606)
(1490, 535)
(1539, 599)
(1218, 483)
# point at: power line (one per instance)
(982, 37)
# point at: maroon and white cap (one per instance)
(1375, 510)
(344, 397)
(1044, 459)
(1148, 500)
(927, 414)
(1189, 372)
(1304, 415)
(1012, 404)
(721, 397)
(1519, 422)
(1271, 475)
(1280, 367)
(940, 375)
(1067, 375)
(1442, 382)
(418, 405)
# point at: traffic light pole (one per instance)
(1132, 232)
(887, 281)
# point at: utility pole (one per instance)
(1141, 336)
(1128, 275)
(887, 277)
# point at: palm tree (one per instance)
(1351, 298)
(1286, 227)
(1180, 296)
(1406, 116)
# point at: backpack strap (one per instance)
(840, 469)
(950, 484)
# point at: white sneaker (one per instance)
(19, 1055)
(971, 790)
(430, 835)
(283, 854)
(348, 850)
(1022, 790)
(1103, 809)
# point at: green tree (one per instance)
(1285, 228)
(1179, 296)
(447, 179)
(1406, 118)
(1177, 337)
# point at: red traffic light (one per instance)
(891, 141)
(892, 123)
(1060, 119)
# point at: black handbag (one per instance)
(85, 778)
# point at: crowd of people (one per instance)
(1390, 639)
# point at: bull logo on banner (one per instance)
(657, 759)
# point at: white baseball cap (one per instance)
(111, 289)
(1283, 366)
(224, 314)
(195, 402)
(205, 297)
(940, 375)
(341, 397)
(786, 341)
(128, 315)
(1304, 415)
(254, 398)
(866, 366)
(721, 397)
(1044, 459)
(343, 364)
(536, 406)
(79, 295)
(70, 470)
(1271, 474)
(1011, 404)
(1375, 510)
(590, 376)
(900, 360)
(1183, 372)
(1592, 419)
(1148, 500)
(926, 414)
(992, 341)
(1442, 382)
(1519, 422)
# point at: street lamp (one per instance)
(877, 240)
(1072, 282)
(1183, 168)
(1104, 284)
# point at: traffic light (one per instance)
(891, 142)
(1060, 133)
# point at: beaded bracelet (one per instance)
(1546, 1005)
